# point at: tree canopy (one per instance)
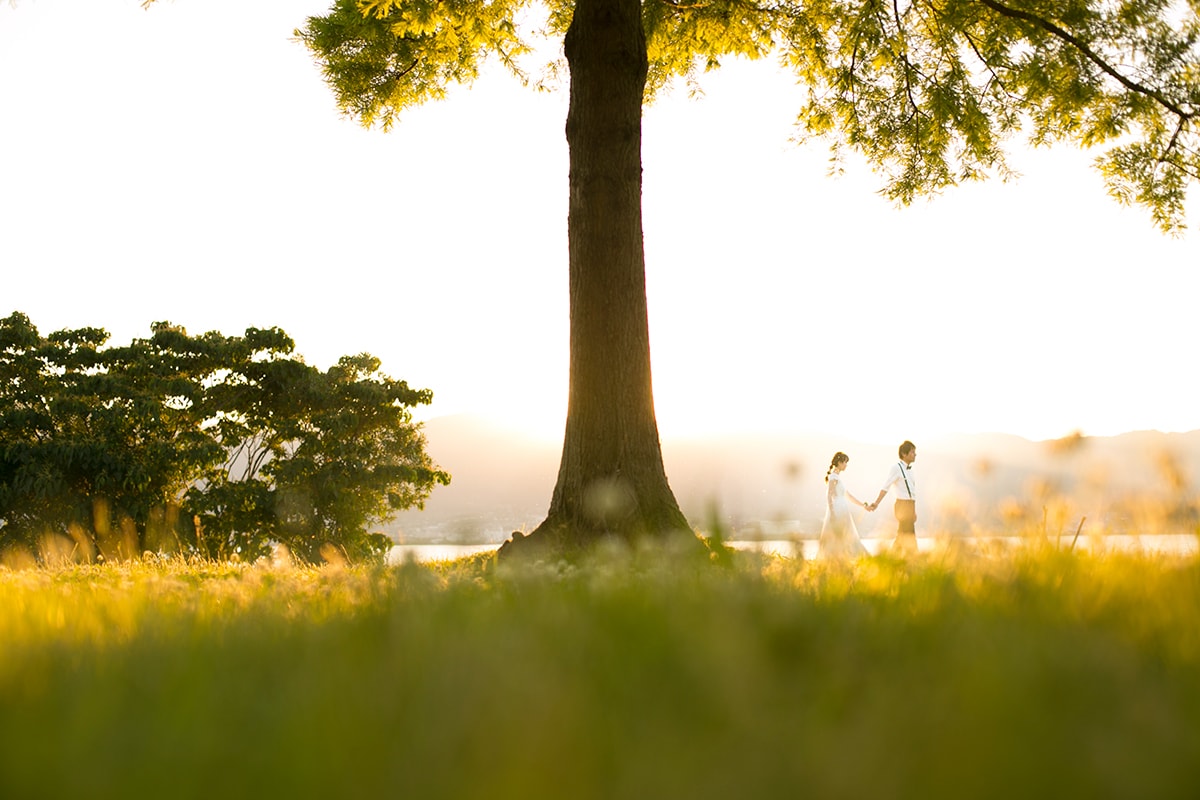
(212, 444)
(929, 92)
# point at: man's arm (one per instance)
(875, 505)
(891, 479)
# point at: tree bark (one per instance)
(611, 480)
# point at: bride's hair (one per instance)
(838, 458)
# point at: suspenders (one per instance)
(906, 486)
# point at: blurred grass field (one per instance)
(1024, 673)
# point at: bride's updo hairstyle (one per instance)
(838, 458)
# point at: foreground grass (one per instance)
(639, 675)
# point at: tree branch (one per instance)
(395, 75)
(685, 6)
(1092, 56)
(986, 65)
(908, 67)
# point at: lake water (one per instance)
(1179, 544)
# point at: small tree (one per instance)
(314, 457)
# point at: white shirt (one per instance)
(901, 477)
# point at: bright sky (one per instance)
(187, 163)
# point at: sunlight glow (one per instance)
(780, 298)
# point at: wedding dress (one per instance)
(839, 535)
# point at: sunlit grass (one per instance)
(1028, 672)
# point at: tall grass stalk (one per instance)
(637, 674)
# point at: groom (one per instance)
(900, 478)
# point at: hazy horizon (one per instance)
(502, 480)
(545, 435)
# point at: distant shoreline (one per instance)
(806, 547)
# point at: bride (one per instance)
(839, 536)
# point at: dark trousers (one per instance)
(906, 531)
(906, 516)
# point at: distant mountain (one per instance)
(772, 486)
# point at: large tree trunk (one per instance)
(611, 481)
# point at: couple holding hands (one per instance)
(839, 535)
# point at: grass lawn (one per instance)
(1025, 673)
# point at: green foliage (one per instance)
(217, 444)
(381, 56)
(319, 456)
(684, 38)
(637, 674)
(928, 92)
(93, 439)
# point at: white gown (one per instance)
(839, 534)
